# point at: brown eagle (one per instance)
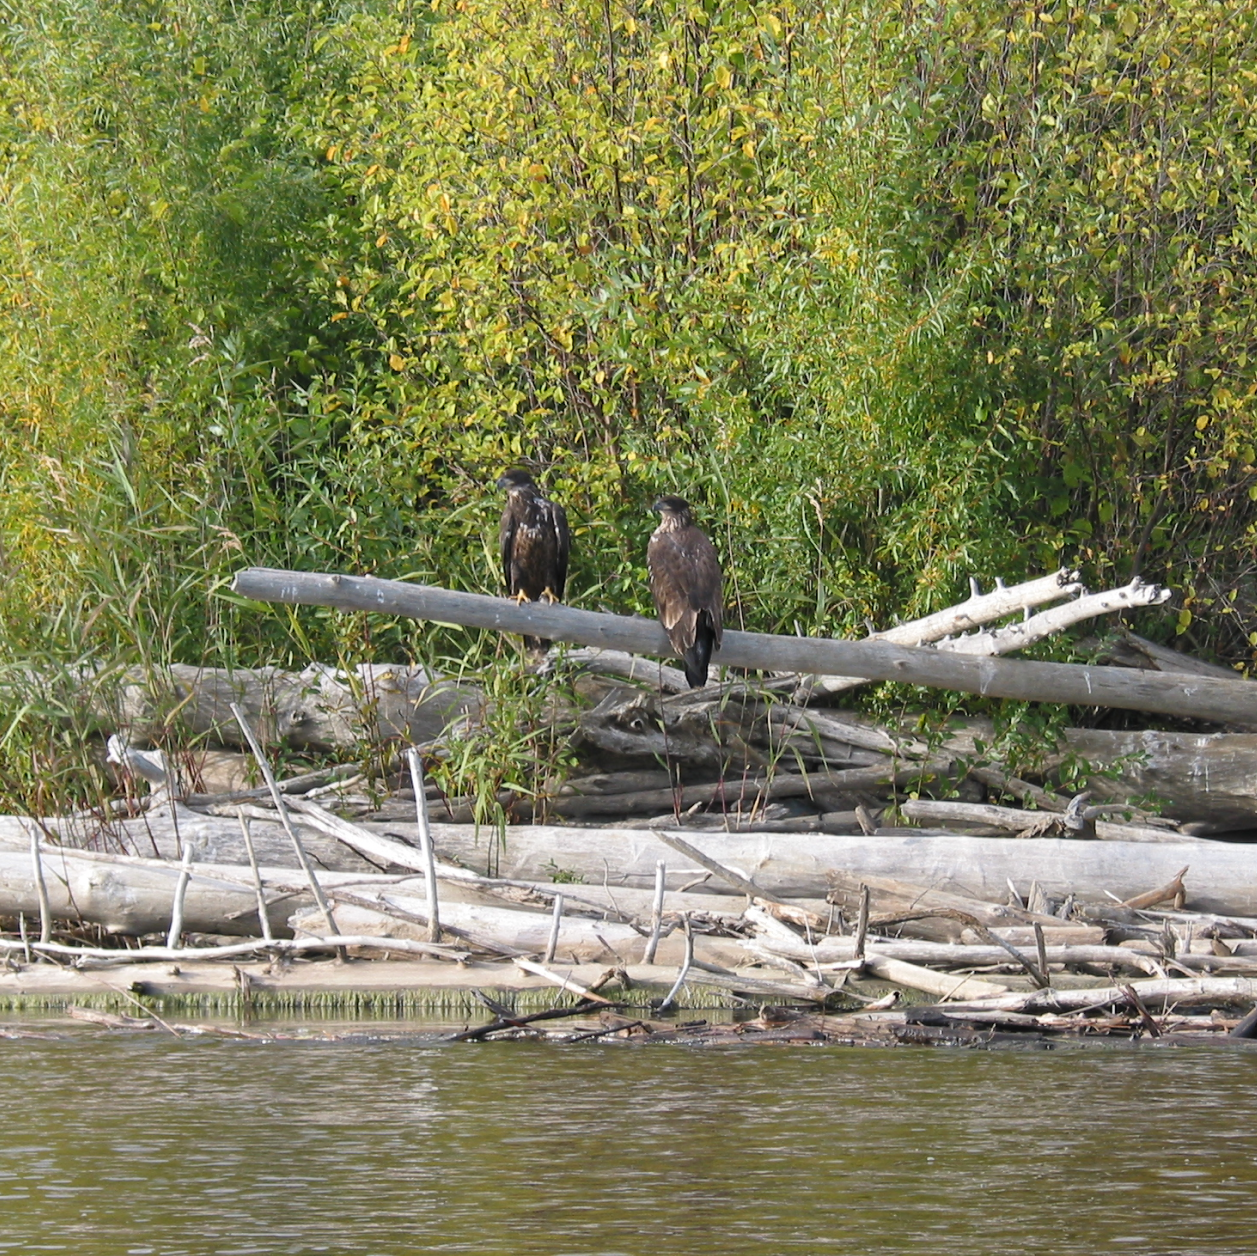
(534, 541)
(685, 582)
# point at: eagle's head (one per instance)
(673, 509)
(516, 480)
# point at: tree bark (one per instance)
(1201, 698)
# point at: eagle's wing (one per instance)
(685, 583)
(563, 542)
(506, 545)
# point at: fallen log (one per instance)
(1030, 823)
(839, 951)
(1195, 697)
(944, 985)
(1223, 878)
(385, 913)
(322, 707)
(1157, 992)
(134, 898)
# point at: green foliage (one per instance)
(895, 293)
(517, 746)
(1101, 155)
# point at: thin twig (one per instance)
(181, 889)
(685, 963)
(41, 889)
(656, 913)
(264, 920)
(556, 921)
(425, 842)
(302, 858)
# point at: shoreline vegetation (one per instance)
(896, 296)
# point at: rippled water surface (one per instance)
(145, 1145)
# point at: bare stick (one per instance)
(685, 963)
(302, 858)
(425, 843)
(656, 913)
(557, 920)
(1041, 946)
(1037, 627)
(181, 888)
(516, 1022)
(539, 970)
(727, 875)
(264, 919)
(862, 923)
(45, 911)
(26, 942)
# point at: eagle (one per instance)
(534, 541)
(685, 581)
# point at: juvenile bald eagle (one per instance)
(534, 542)
(685, 582)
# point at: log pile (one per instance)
(755, 918)
(764, 848)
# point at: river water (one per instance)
(144, 1145)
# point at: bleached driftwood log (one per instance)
(1039, 627)
(872, 660)
(941, 954)
(803, 866)
(1222, 877)
(321, 707)
(1156, 993)
(1029, 823)
(505, 930)
(983, 609)
(135, 897)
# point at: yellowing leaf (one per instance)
(396, 361)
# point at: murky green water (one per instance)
(144, 1145)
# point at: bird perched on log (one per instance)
(685, 582)
(534, 541)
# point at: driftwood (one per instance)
(504, 931)
(322, 707)
(1208, 778)
(135, 897)
(983, 609)
(1029, 823)
(1202, 697)
(837, 951)
(804, 866)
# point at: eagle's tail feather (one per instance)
(698, 655)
